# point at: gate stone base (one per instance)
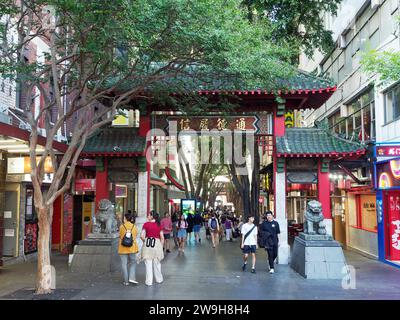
(97, 253)
(318, 257)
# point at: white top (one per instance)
(251, 239)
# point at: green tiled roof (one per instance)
(115, 140)
(193, 80)
(314, 141)
(153, 176)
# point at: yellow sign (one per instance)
(122, 119)
(86, 218)
(289, 119)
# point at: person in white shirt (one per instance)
(249, 243)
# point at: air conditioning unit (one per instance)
(342, 42)
(375, 4)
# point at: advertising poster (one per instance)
(31, 235)
(188, 207)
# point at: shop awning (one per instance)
(172, 177)
(16, 140)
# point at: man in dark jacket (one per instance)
(269, 233)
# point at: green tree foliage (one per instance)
(295, 24)
(385, 63)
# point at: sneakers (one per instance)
(199, 240)
(168, 251)
(253, 270)
(133, 281)
(126, 283)
(271, 271)
(244, 266)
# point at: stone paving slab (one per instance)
(214, 274)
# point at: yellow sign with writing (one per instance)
(289, 119)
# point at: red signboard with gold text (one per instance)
(388, 151)
(85, 185)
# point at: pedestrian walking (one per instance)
(213, 225)
(152, 250)
(197, 226)
(269, 234)
(249, 243)
(128, 248)
(206, 216)
(174, 219)
(189, 230)
(182, 226)
(228, 229)
(166, 225)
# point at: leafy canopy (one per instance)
(295, 24)
(148, 41)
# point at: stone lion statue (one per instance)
(106, 221)
(314, 219)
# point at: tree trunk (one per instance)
(43, 280)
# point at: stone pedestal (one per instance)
(318, 257)
(97, 253)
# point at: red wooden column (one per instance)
(57, 223)
(102, 184)
(324, 194)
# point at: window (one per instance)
(392, 104)
(360, 122)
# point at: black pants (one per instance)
(272, 254)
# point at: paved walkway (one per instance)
(207, 273)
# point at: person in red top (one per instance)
(166, 225)
(152, 250)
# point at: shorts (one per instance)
(249, 249)
(167, 236)
(196, 228)
(182, 233)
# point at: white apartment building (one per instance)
(360, 109)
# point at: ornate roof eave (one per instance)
(333, 155)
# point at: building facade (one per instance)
(360, 110)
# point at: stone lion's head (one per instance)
(314, 207)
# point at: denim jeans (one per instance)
(132, 266)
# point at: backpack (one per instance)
(127, 240)
(213, 223)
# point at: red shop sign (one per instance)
(388, 151)
(85, 185)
